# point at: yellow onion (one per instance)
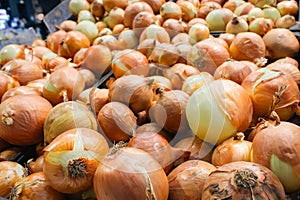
(36, 165)
(263, 3)
(218, 18)
(180, 38)
(141, 21)
(236, 25)
(64, 84)
(98, 98)
(281, 42)
(234, 70)
(110, 4)
(247, 46)
(187, 180)
(195, 21)
(20, 90)
(11, 51)
(38, 84)
(34, 59)
(88, 76)
(105, 31)
(193, 82)
(79, 56)
(115, 16)
(65, 116)
(23, 71)
(272, 90)
(287, 8)
(10, 173)
(133, 9)
(51, 61)
(146, 178)
(183, 50)
(153, 127)
(207, 7)
(255, 13)
(129, 61)
(88, 28)
(72, 158)
(286, 21)
(233, 4)
(155, 4)
(67, 25)
(288, 60)
(118, 28)
(198, 32)
(155, 32)
(189, 10)
(214, 112)
(117, 121)
(241, 179)
(97, 9)
(231, 150)
(7, 82)
(109, 41)
(22, 118)
(173, 27)
(39, 51)
(169, 111)
(128, 39)
(98, 59)
(75, 6)
(243, 9)
(261, 25)
(170, 10)
(146, 46)
(227, 37)
(277, 147)
(287, 68)
(132, 90)
(85, 15)
(34, 186)
(271, 13)
(54, 39)
(165, 54)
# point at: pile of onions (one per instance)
(240, 180)
(272, 90)
(132, 90)
(22, 119)
(10, 173)
(7, 82)
(186, 180)
(117, 121)
(65, 116)
(141, 177)
(216, 111)
(71, 159)
(35, 186)
(277, 147)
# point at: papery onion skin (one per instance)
(98, 98)
(7, 82)
(141, 178)
(23, 118)
(34, 186)
(224, 103)
(54, 39)
(71, 159)
(10, 173)
(19, 90)
(283, 142)
(187, 179)
(243, 180)
(193, 82)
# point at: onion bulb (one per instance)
(263, 3)
(145, 177)
(217, 19)
(71, 159)
(10, 52)
(88, 28)
(22, 119)
(271, 13)
(19, 90)
(277, 147)
(214, 112)
(156, 32)
(261, 25)
(133, 9)
(170, 10)
(98, 98)
(286, 21)
(164, 54)
(7, 82)
(75, 6)
(236, 25)
(287, 8)
(198, 32)
(255, 13)
(193, 82)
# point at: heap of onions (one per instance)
(277, 147)
(216, 111)
(71, 159)
(243, 180)
(22, 119)
(141, 177)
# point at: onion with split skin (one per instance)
(71, 159)
(145, 178)
(164, 54)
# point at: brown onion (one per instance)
(34, 59)
(110, 4)
(189, 10)
(7, 82)
(36, 165)
(132, 90)
(186, 180)
(54, 39)
(38, 42)
(155, 4)
(193, 82)
(154, 128)
(115, 16)
(227, 37)
(65, 116)
(141, 21)
(133, 9)
(67, 25)
(11, 51)
(146, 178)
(10, 173)
(10, 153)
(286, 68)
(207, 7)
(240, 179)
(156, 32)
(287, 8)
(165, 54)
(80, 55)
(170, 10)
(71, 159)
(38, 84)
(288, 60)
(98, 98)
(23, 118)
(286, 21)
(51, 61)
(20, 90)
(173, 27)
(117, 121)
(39, 51)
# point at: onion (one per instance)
(272, 90)
(240, 179)
(80, 55)
(75, 6)
(10, 52)
(147, 179)
(118, 28)
(34, 59)
(110, 4)
(7, 82)
(109, 41)
(67, 25)
(277, 147)
(98, 98)
(243, 9)
(159, 148)
(286, 68)
(173, 27)
(133, 9)
(156, 32)
(10, 153)
(165, 54)
(288, 60)
(198, 32)
(169, 111)
(255, 13)
(88, 76)
(261, 25)
(38, 84)
(287, 8)
(234, 70)
(217, 19)
(64, 84)
(141, 21)
(286, 21)
(23, 118)
(187, 179)
(170, 10)
(85, 15)
(71, 159)
(52, 61)
(281, 42)
(195, 21)
(65, 116)
(236, 25)
(180, 38)
(129, 39)
(117, 121)
(271, 13)
(146, 46)
(115, 16)
(154, 128)
(54, 39)
(105, 31)
(247, 46)
(193, 82)
(183, 51)
(36, 165)
(263, 3)
(98, 59)
(233, 4)
(207, 7)
(39, 51)
(155, 4)
(224, 114)
(189, 10)
(38, 42)
(19, 90)
(10, 173)
(23, 71)
(129, 61)
(89, 29)
(97, 9)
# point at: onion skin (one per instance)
(282, 141)
(23, 118)
(243, 180)
(10, 173)
(98, 98)
(54, 39)
(19, 90)
(7, 82)
(156, 32)
(34, 186)
(71, 159)
(141, 21)
(187, 179)
(36, 165)
(145, 177)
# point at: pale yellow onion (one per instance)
(261, 25)
(286, 21)
(198, 32)
(75, 6)
(88, 28)
(262, 3)
(85, 15)
(271, 13)
(236, 25)
(233, 4)
(192, 83)
(129, 39)
(218, 18)
(255, 13)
